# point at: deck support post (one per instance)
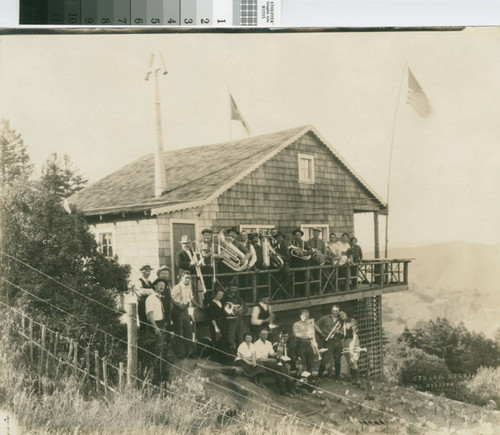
(376, 234)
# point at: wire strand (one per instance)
(337, 396)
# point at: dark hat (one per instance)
(297, 230)
(253, 236)
(207, 230)
(316, 230)
(233, 229)
(157, 280)
(281, 234)
(145, 267)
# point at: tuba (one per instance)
(269, 255)
(296, 251)
(231, 256)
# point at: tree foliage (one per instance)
(462, 350)
(60, 177)
(14, 159)
(39, 232)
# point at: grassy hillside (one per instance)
(456, 280)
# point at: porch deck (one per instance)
(317, 285)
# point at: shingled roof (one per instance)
(194, 176)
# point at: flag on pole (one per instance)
(236, 115)
(416, 97)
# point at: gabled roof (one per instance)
(195, 176)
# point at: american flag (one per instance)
(236, 115)
(416, 97)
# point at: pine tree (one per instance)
(14, 159)
(60, 177)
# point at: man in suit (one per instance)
(184, 258)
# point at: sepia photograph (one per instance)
(268, 232)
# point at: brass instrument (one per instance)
(199, 260)
(335, 328)
(233, 309)
(269, 255)
(298, 252)
(231, 256)
(318, 257)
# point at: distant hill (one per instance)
(457, 280)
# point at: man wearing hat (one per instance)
(206, 248)
(143, 289)
(158, 317)
(184, 258)
(300, 258)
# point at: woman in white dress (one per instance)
(247, 359)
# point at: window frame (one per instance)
(247, 227)
(310, 158)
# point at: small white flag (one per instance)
(416, 97)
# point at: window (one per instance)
(261, 229)
(105, 242)
(308, 231)
(306, 168)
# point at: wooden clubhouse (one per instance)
(288, 179)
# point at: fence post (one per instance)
(56, 343)
(75, 357)
(48, 354)
(97, 375)
(105, 375)
(120, 376)
(131, 344)
(31, 339)
(87, 361)
(23, 322)
(348, 279)
(42, 349)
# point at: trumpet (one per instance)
(231, 256)
(270, 256)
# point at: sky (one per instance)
(85, 95)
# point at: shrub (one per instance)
(405, 365)
(485, 386)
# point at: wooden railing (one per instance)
(313, 281)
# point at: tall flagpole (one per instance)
(230, 115)
(390, 160)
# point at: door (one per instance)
(179, 230)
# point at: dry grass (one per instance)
(62, 406)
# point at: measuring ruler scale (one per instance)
(118, 13)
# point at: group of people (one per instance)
(255, 249)
(165, 307)
(261, 350)
(292, 356)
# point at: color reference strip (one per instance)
(192, 13)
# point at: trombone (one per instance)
(199, 260)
